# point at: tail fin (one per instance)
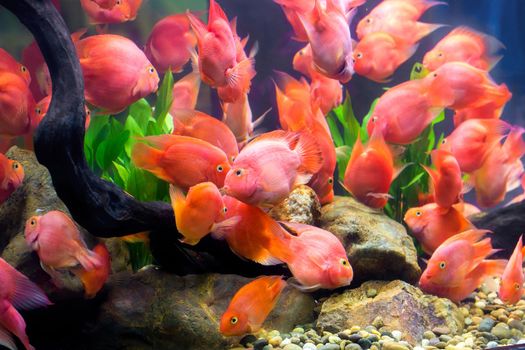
(221, 229)
(6, 339)
(148, 158)
(178, 200)
(514, 146)
(95, 279)
(88, 259)
(27, 295)
(310, 155)
(424, 29)
(492, 267)
(199, 28)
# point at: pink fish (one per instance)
(269, 167)
(511, 288)
(17, 292)
(17, 105)
(186, 90)
(472, 140)
(110, 11)
(205, 127)
(116, 72)
(57, 241)
(11, 177)
(238, 116)
(218, 51)
(8, 63)
(458, 266)
(317, 259)
(403, 112)
(329, 36)
(169, 42)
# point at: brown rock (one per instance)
(402, 307)
(302, 206)
(377, 246)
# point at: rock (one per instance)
(378, 247)
(153, 309)
(502, 331)
(302, 206)
(486, 324)
(259, 344)
(292, 347)
(390, 345)
(37, 192)
(330, 347)
(402, 307)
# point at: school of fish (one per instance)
(224, 176)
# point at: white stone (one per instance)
(309, 346)
(397, 335)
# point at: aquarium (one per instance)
(271, 174)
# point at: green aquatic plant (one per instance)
(108, 143)
(413, 179)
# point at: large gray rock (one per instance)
(397, 304)
(302, 206)
(378, 247)
(153, 309)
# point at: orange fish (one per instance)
(317, 259)
(472, 140)
(294, 103)
(181, 160)
(501, 170)
(253, 234)
(511, 288)
(458, 85)
(238, 117)
(403, 112)
(40, 78)
(8, 63)
(197, 214)
(323, 181)
(251, 305)
(326, 93)
(378, 55)
(17, 105)
(168, 43)
(392, 15)
(95, 279)
(110, 11)
(11, 177)
(370, 171)
(218, 51)
(271, 166)
(57, 241)
(329, 36)
(116, 72)
(458, 266)
(41, 110)
(203, 126)
(17, 292)
(464, 44)
(447, 183)
(432, 225)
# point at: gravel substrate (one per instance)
(488, 323)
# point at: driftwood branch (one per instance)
(99, 206)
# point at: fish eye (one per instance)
(374, 118)
(234, 320)
(517, 286)
(418, 69)
(88, 113)
(345, 262)
(220, 168)
(330, 180)
(23, 69)
(442, 265)
(32, 222)
(369, 20)
(359, 55)
(16, 165)
(353, 60)
(238, 172)
(38, 110)
(233, 159)
(224, 210)
(418, 213)
(151, 69)
(444, 141)
(119, 2)
(440, 54)
(435, 75)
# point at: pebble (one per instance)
(353, 346)
(330, 347)
(275, 341)
(334, 339)
(285, 342)
(309, 346)
(441, 330)
(491, 344)
(394, 346)
(486, 324)
(513, 323)
(397, 335)
(378, 322)
(371, 292)
(501, 330)
(480, 304)
(298, 330)
(259, 344)
(365, 343)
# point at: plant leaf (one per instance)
(164, 99)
